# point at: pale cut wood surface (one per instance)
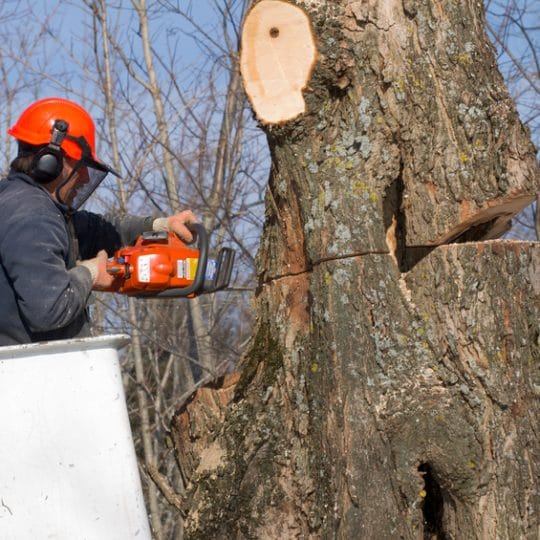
(278, 54)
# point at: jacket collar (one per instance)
(14, 175)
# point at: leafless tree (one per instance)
(190, 152)
(180, 133)
(514, 28)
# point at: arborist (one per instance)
(52, 254)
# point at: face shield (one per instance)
(86, 175)
(79, 185)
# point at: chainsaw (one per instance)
(160, 265)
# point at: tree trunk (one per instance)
(392, 387)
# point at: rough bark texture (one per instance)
(392, 387)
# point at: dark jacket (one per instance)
(43, 294)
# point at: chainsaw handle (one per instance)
(198, 283)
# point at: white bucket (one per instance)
(68, 468)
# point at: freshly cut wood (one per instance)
(277, 57)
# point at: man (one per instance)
(52, 255)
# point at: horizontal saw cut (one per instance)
(277, 57)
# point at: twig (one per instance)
(165, 488)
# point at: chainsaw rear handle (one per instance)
(200, 234)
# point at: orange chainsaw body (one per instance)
(157, 261)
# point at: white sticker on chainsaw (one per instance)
(186, 268)
(143, 268)
(180, 268)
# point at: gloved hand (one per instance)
(101, 279)
(177, 224)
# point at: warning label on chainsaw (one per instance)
(143, 268)
(186, 268)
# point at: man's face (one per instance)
(69, 190)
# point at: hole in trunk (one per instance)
(394, 221)
(433, 506)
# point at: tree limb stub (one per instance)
(277, 57)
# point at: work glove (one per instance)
(101, 279)
(177, 224)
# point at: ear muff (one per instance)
(47, 164)
(49, 161)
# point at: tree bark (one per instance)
(392, 386)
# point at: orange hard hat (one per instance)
(35, 126)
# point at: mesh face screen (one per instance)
(89, 178)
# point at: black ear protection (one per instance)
(49, 161)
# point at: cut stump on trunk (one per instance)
(277, 57)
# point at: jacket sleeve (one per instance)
(34, 256)
(95, 232)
